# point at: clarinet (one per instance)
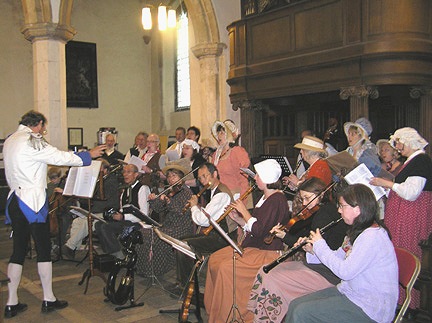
(293, 250)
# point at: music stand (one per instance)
(91, 271)
(236, 249)
(183, 247)
(132, 209)
(282, 161)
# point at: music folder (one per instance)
(223, 233)
(179, 245)
(132, 209)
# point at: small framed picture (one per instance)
(75, 137)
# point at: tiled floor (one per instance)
(90, 307)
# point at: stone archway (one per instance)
(208, 49)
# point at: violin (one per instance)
(184, 311)
(304, 214)
(174, 189)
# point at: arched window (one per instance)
(182, 63)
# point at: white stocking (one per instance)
(45, 275)
(14, 273)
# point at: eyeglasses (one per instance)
(341, 206)
(204, 176)
(153, 141)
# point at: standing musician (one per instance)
(26, 158)
(136, 194)
(220, 198)
(275, 282)
(79, 228)
(271, 209)
(156, 257)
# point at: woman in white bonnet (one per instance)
(360, 147)
(408, 213)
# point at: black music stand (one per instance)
(282, 161)
(91, 271)
(193, 278)
(236, 250)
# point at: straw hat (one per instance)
(268, 170)
(182, 164)
(362, 124)
(311, 143)
(226, 127)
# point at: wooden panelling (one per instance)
(321, 26)
(270, 38)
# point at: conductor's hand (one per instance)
(97, 151)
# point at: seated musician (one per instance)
(136, 194)
(79, 228)
(270, 210)
(292, 278)
(219, 198)
(156, 257)
(366, 264)
(313, 152)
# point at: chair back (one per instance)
(409, 269)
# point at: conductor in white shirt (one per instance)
(26, 157)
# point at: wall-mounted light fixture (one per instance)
(165, 19)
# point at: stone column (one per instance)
(210, 109)
(359, 99)
(425, 95)
(47, 27)
(251, 125)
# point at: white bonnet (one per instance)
(190, 142)
(410, 137)
(268, 170)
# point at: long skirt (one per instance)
(409, 223)
(273, 292)
(218, 295)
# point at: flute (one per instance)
(293, 250)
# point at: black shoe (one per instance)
(67, 252)
(13, 310)
(48, 306)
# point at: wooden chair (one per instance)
(409, 269)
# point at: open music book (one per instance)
(81, 181)
(362, 175)
(179, 245)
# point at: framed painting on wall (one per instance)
(81, 75)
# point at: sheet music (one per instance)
(81, 181)
(179, 245)
(362, 175)
(138, 162)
